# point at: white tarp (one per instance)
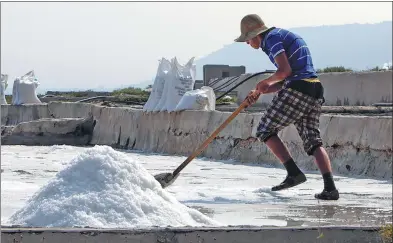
(199, 99)
(4, 85)
(24, 90)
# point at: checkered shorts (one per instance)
(293, 107)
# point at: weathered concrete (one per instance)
(6, 130)
(187, 235)
(350, 110)
(14, 114)
(357, 145)
(49, 131)
(349, 89)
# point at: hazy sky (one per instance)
(100, 44)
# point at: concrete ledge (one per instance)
(357, 145)
(349, 110)
(14, 114)
(50, 131)
(198, 235)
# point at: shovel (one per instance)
(166, 179)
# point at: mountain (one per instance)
(355, 46)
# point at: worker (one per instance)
(298, 100)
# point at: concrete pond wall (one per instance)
(197, 235)
(357, 145)
(347, 88)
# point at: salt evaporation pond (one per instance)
(100, 187)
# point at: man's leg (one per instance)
(322, 160)
(278, 148)
(283, 111)
(308, 130)
(330, 191)
(295, 176)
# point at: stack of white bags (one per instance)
(24, 90)
(173, 89)
(4, 85)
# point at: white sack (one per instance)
(158, 86)
(161, 103)
(199, 99)
(182, 80)
(4, 85)
(24, 90)
(212, 97)
(167, 85)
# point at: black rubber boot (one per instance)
(328, 195)
(290, 181)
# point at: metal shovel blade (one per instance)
(165, 179)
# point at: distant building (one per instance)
(220, 71)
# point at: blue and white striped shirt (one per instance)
(280, 40)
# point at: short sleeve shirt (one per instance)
(280, 40)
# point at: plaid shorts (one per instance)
(293, 107)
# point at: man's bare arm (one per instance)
(283, 71)
(273, 83)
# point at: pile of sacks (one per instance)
(4, 85)
(173, 89)
(23, 90)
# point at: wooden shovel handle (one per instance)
(211, 138)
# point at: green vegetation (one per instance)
(8, 98)
(377, 68)
(77, 94)
(127, 95)
(71, 93)
(341, 69)
(130, 91)
(131, 94)
(133, 98)
(387, 233)
(225, 100)
(334, 69)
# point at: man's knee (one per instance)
(314, 146)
